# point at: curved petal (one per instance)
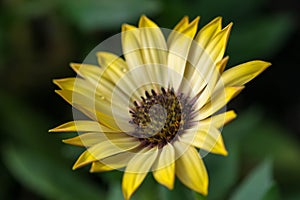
(153, 43)
(137, 170)
(182, 24)
(164, 167)
(131, 46)
(243, 73)
(85, 88)
(207, 88)
(114, 66)
(100, 84)
(218, 101)
(92, 138)
(217, 46)
(191, 171)
(91, 107)
(209, 31)
(210, 140)
(219, 120)
(179, 46)
(205, 53)
(81, 126)
(113, 162)
(105, 149)
(100, 167)
(86, 139)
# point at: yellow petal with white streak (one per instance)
(164, 167)
(190, 169)
(137, 170)
(243, 73)
(100, 167)
(113, 162)
(81, 126)
(219, 120)
(182, 24)
(105, 149)
(208, 32)
(91, 107)
(217, 45)
(179, 48)
(90, 139)
(209, 139)
(154, 49)
(218, 101)
(131, 46)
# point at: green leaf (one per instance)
(256, 185)
(221, 179)
(179, 192)
(47, 177)
(281, 147)
(115, 191)
(273, 193)
(259, 38)
(94, 14)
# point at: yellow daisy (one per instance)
(152, 110)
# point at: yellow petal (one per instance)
(203, 55)
(182, 24)
(209, 139)
(131, 46)
(100, 167)
(217, 45)
(208, 32)
(222, 64)
(190, 170)
(113, 162)
(219, 120)
(137, 170)
(179, 47)
(218, 101)
(93, 74)
(153, 48)
(164, 167)
(86, 139)
(105, 149)
(185, 29)
(81, 126)
(242, 74)
(81, 86)
(114, 67)
(91, 139)
(96, 108)
(85, 158)
(207, 87)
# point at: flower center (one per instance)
(159, 117)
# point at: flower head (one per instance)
(153, 109)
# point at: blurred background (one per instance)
(38, 40)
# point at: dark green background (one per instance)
(38, 40)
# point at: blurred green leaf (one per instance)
(292, 196)
(94, 14)
(179, 192)
(242, 126)
(262, 36)
(49, 178)
(223, 171)
(115, 191)
(281, 147)
(25, 125)
(273, 193)
(199, 196)
(256, 185)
